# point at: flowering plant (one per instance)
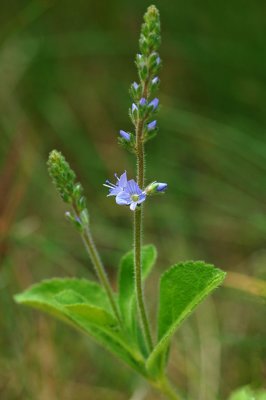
(119, 321)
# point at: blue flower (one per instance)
(125, 135)
(151, 125)
(115, 189)
(154, 103)
(131, 195)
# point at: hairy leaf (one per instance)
(126, 296)
(182, 288)
(84, 305)
(247, 393)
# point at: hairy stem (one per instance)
(138, 279)
(99, 268)
(138, 221)
(167, 389)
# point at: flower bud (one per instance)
(142, 102)
(155, 81)
(154, 104)
(81, 203)
(78, 190)
(125, 135)
(84, 217)
(74, 220)
(152, 125)
(62, 175)
(155, 188)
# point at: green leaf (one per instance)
(182, 288)
(86, 312)
(126, 295)
(85, 306)
(247, 393)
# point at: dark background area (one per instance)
(65, 69)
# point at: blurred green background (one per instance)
(65, 69)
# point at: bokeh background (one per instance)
(65, 69)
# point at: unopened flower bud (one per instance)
(62, 175)
(125, 135)
(152, 125)
(78, 190)
(142, 102)
(74, 220)
(134, 108)
(84, 217)
(156, 187)
(154, 103)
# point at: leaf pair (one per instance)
(85, 305)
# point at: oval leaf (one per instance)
(182, 288)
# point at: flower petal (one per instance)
(123, 180)
(133, 206)
(123, 198)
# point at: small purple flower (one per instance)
(135, 85)
(134, 107)
(154, 103)
(125, 135)
(115, 189)
(131, 195)
(142, 102)
(155, 80)
(152, 125)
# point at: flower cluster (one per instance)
(142, 112)
(129, 193)
(148, 62)
(70, 191)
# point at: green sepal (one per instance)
(182, 288)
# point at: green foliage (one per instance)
(246, 393)
(182, 288)
(84, 305)
(126, 295)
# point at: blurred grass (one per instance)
(64, 74)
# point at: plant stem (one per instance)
(138, 279)
(138, 221)
(98, 266)
(167, 389)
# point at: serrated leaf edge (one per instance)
(186, 313)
